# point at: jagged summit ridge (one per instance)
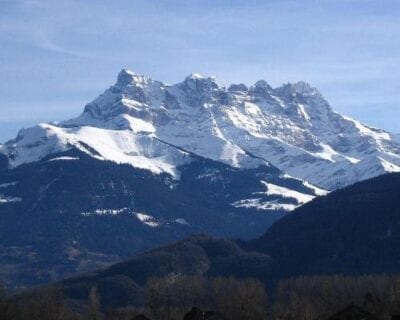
(291, 127)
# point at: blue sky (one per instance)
(55, 56)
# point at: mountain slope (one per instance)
(122, 284)
(353, 231)
(70, 213)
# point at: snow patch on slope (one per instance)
(181, 221)
(317, 191)
(259, 204)
(104, 212)
(273, 189)
(120, 146)
(8, 184)
(63, 159)
(147, 220)
(6, 199)
(389, 167)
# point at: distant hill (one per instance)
(122, 283)
(60, 217)
(355, 230)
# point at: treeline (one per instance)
(316, 297)
(171, 297)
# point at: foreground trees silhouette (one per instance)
(173, 296)
(314, 297)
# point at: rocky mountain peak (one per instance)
(127, 77)
(240, 87)
(197, 82)
(262, 84)
(298, 88)
(261, 89)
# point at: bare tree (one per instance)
(46, 304)
(93, 305)
(8, 310)
(239, 299)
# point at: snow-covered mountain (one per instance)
(154, 126)
(147, 163)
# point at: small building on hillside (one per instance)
(353, 312)
(197, 314)
(140, 317)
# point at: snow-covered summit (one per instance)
(298, 88)
(291, 127)
(126, 77)
(195, 76)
